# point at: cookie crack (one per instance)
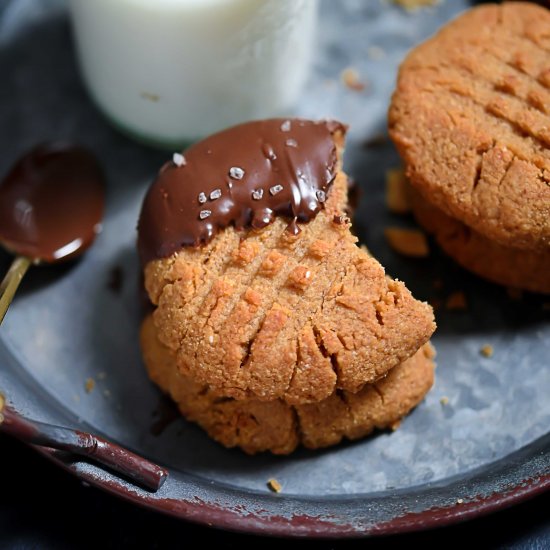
(536, 142)
(521, 128)
(300, 323)
(379, 392)
(319, 341)
(297, 424)
(278, 289)
(477, 175)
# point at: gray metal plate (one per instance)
(67, 324)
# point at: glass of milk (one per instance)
(172, 71)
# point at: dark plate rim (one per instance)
(511, 480)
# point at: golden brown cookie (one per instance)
(471, 118)
(278, 427)
(512, 267)
(267, 313)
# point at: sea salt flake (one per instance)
(291, 143)
(205, 214)
(321, 195)
(275, 189)
(178, 159)
(216, 194)
(285, 126)
(236, 173)
(257, 194)
(202, 198)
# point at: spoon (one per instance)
(51, 206)
(117, 459)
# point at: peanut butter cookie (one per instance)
(512, 267)
(278, 427)
(471, 118)
(259, 287)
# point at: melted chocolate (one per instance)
(51, 202)
(244, 176)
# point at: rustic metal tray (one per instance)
(487, 447)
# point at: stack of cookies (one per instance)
(471, 119)
(271, 328)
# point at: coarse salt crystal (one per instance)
(275, 189)
(321, 195)
(178, 159)
(216, 194)
(257, 194)
(204, 214)
(236, 173)
(202, 198)
(285, 126)
(291, 143)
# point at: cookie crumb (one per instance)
(395, 425)
(274, 485)
(413, 5)
(486, 350)
(89, 385)
(407, 242)
(397, 197)
(444, 400)
(149, 96)
(351, 79)
(456, 301)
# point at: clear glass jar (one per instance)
(172, 71)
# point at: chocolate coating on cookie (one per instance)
(243, 176)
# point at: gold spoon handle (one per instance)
(11, 281)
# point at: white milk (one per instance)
(170, 71)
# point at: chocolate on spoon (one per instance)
(51, 206)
